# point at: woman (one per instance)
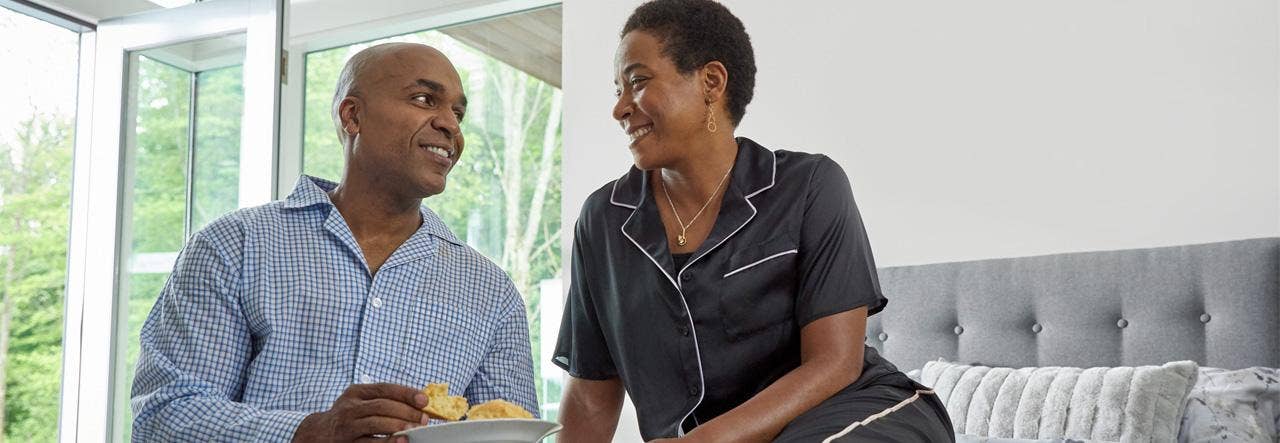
(724, 286)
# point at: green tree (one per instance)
(322, 156)
(35, 183)
(219, 108)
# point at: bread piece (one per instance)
(441, 405)
(497, 409)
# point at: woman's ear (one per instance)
(715, 79)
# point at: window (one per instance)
(503, 197)
(184, 174)
(168, 93)
(36, 140)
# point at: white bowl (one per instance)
(507, 430)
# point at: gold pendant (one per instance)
(680, 240)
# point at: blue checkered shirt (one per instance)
(270, 313)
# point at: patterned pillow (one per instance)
(1125, 404)
(1235, 406)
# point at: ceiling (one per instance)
(93, 11)
(202, 55)
(529, 41)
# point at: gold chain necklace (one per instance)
(681, 240)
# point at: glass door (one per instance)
(185, 120)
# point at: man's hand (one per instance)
(365, 413)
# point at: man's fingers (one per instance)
(400, 393)
(391, 408)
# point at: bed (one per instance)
(1217, 305)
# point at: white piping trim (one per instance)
(646, 253)
(772, 178)
(615, 192)
(883, 413)
(693, 330)
(771, 257)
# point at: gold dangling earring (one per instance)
(711, 119)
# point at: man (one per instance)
(318, 318)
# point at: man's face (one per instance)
(410, 106)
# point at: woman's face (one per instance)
(662, 111)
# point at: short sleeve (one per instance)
(836, 270)
(581, 349)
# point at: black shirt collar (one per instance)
(753, 172)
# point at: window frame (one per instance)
(94, 308)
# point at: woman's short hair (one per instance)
(696, 32)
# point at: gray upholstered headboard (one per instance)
(1217, 304)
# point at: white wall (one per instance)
(992, 128)
(989, 128)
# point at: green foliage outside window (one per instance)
(36, 140)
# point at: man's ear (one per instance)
(715, 79)
(349, 113)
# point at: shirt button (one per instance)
(366, 379)
(693, 391)
(377, 302)
(683, 331)
(686, 276)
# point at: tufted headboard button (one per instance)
(959, 330)
(1205, 317)
(884, 336)
(1122, 323)
(1036, 328)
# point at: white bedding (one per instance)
(1124, 404)
(965, 438)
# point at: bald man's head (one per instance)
(359, 68)
(398, 108)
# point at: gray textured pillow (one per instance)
(1125, 404)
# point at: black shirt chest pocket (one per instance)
(758, 286)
